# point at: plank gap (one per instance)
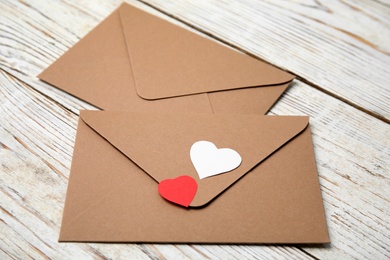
(307, 253)
(352, 104)
(37, 91)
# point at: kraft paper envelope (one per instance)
(273, 196)
(136, 61)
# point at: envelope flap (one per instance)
(160, 143)
(169, 61)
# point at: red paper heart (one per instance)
(180, 190)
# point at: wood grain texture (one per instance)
(38, 122)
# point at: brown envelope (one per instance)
(119, 158)
(136, 61)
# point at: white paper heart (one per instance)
(208, 160)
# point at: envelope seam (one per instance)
(128, 52)
(80, 214)
(119, 150)
(211, 105)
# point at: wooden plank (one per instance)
(340, 47)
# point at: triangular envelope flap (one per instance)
(160, 143)
(169, 61)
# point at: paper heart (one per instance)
(180, 190)
(208, 160)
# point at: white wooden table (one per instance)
(339, 51)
